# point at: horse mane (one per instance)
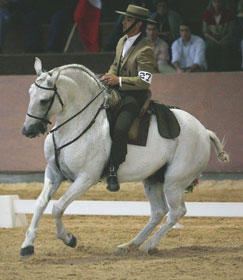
(85, 70)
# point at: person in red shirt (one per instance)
(218, 30)
(87, 18)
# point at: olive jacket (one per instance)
(136, 67)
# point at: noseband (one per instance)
(44, 119)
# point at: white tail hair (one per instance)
(219, 147)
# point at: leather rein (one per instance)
(45, 120)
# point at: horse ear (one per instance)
(53, 78)
(38, 66)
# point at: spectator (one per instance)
(87, 17)
(5, 14)
(188, 52)
(35, 13)
(168, 21)
(56, 17)
(30, 17)
(160, 48)
(218, 29)
(239, 30)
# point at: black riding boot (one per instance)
(112, 180)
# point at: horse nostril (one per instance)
(24, 131)
(34, 130)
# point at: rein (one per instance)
(58, 149)
(56, 128)
(45, 119)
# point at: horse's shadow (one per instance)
(175, 253)
(192, 251)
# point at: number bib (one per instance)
(145, 76)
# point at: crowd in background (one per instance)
(176, 47)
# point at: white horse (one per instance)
(79, 148)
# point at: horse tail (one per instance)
(219, 147)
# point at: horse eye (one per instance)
(44, 101)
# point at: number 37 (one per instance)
(145, 76)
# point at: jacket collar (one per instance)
(129, 52)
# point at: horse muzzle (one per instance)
(34, 130)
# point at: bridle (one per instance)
(44, 119)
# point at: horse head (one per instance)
(43, 103)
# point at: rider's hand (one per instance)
(110, 79)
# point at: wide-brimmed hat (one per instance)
(137, 12)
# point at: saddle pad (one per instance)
(168, 125)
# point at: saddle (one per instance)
(168, 125)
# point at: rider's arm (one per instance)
(145, 66)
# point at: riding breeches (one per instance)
(131, 106)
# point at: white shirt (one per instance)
(192, 53)
(127, 45)
(217, 19)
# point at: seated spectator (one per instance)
(87, 17)
(5, 14)
(33, 14)
(218, 30)
(239, 30)
(188, 52)
(160, 48)
(168, 22)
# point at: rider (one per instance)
(131, 73)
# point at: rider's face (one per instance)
(127, 22)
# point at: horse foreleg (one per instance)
(175, 199)
(155, 195)
(80, 186)
(51, 184)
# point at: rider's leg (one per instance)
(119, 140)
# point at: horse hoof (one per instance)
(73, 242)
(120, 250)
(127, 248)
(145, 248)
(27, 252)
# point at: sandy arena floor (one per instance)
(206, 248)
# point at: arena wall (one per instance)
(216, 99)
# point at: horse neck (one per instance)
(79, 89)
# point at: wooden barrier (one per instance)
(216, 99)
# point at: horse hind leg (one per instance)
(174, 193)
(155, 195)
(51, 184)
(79, 186)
